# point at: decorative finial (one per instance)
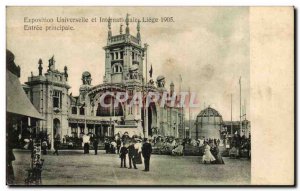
(109, 23)
(66, 72)
(51, 65)
(121, 28)
(40, 67)
(109, 28)
(138, 30)
(127, 23)
(138, 26)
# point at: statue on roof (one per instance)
(51, 65)
(40, 67)
(160, 81)
(86, 78)
(127, 23)
(133, 72)
(66, 72)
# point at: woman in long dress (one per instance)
(207, 157)
(216, 153)
(138, 151)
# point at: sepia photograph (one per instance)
(129, 96)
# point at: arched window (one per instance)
(56, 128)
(117, 68)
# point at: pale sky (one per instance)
(207, 46)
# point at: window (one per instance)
(117, 68)
(81, 129)
(82, 111)
(112, 56)
(74, 110)
(56, 99)
(90, 129)
(117, 55)
(74, 130)
(122, 55)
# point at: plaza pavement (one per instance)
(75, 168)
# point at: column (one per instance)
(94, 128)
(85, 129)
(78, 130)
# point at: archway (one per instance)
(112, 110)
(152, 119)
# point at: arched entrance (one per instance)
(56, 128)
(152, 119)
(112, 110)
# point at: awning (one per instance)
(17, 101)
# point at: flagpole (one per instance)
(240, 105)
(245, 110)
(145, 109)
(189, 110)
(231, 117)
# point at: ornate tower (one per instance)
(123, 55)
(49, 95)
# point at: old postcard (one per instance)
(150, 96)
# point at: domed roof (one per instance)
(160, 78)
(86, 74)
(134, 67)
(209, 112)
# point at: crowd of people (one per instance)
(133, 152)
(126, 147)
(240, 146)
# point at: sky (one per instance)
(207, 46)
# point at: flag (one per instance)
(240, 80)
(151, 71)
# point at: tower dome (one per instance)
(86, 74)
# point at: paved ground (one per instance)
(75, 168)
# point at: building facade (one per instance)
(66, 114)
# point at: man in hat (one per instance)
(131, 155)
(95, 144)
(146, 151)
(123, 152)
